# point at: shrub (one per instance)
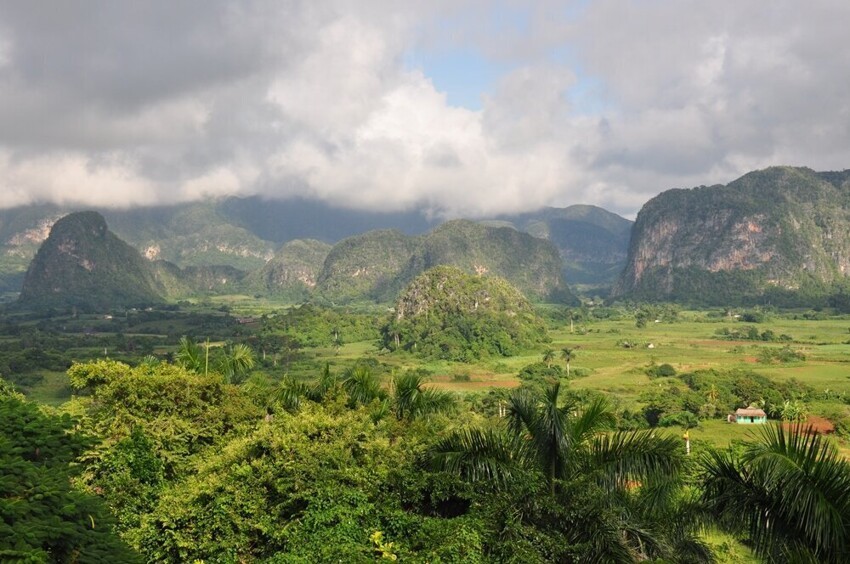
(538, 371)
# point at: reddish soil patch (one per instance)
(750, 359)
(814, 424)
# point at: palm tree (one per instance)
(413, 401)
(567, 354)
(548, 357)
(190, 355)
(561, 442)
(289, 393)
(361, 385)
(789, 492)
(235, 362)
(326, 383)
(574, 449)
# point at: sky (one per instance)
(454, 108)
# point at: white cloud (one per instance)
(116, 104)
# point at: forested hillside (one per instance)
(781, 235)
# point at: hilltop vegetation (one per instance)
(445, 313)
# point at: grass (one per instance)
(53, 389)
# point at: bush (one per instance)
(538, 372)
(684, 419)
(783, 355)
(664, 370)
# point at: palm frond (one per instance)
(361, 385)
(476, 455)
(289, 393)
(595, 418)
(789, 490)
(412, 400)
(521, 412)
(327, 381)
(633, 456)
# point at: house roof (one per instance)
(751, 412)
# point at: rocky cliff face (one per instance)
(782, 229)
(294, 270)
(82, 264)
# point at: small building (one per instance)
(749, 416)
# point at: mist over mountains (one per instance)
(245, 233)
(778, 235)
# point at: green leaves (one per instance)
(790, 492)
(478, 455)
(361, 385)
(41, 517)
(412, 400)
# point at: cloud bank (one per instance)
(606, 102)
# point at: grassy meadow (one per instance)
(615, 354)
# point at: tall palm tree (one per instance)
(412, 400)
(789, 492)
(568, 446)
(548, 357)
(568, 354)
(561, 442)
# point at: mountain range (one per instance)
(84, 265)
(779, 235)
(251, 234)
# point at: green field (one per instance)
(612, 355)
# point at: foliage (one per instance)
(413, 400)
(540, 372)
(789, 492)
(316, 326)
(180, 412)
(570, 448)
(41, 517)
(750, 333)
(361, 385)
(785, 354)
(447, 314)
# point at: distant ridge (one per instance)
(592, 241)
(245, 232)
(376, 265)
